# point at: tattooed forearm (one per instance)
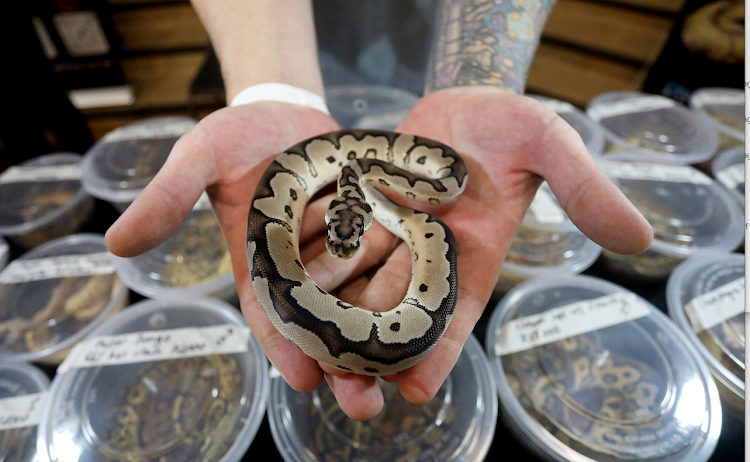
(486, 42)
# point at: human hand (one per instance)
(509, 143)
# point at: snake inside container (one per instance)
(321, 325)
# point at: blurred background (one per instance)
(153, 57)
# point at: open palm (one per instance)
(509, 144)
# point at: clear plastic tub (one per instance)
(723, 108)
(4, 253)
(369, 106)
(728, 168)
(689, 212)
(194, 261)
(591, 133)
(192, 408)
(123, 162)
(653, 128)
(586, 387)
(722, 345)
(41, 320)
(44, 201)
(458, 424)
(547, 244)
(20, 379)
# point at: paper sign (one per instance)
(717, 306)
(568, 321)
(157, 345)
(58, 267)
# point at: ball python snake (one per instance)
(321, 325)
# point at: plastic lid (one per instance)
(193, 261)
(722, 345)
(691, 215)
(40, 195)
(536, 252)
(723, 107)
(369, 106)
(121, 164)
(729, 169)
(40, 319)
(193, 408)
(458, 424)
(591, 133)
(583, 386)
(653, 128)
(20, 379)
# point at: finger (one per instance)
(389, 285)
(312, 249)
(329, 272)
(163, 205)
(596, 206)
(314, 219)
(350, 292)
(359, 396)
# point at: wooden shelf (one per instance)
(158, 28)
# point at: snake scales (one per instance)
(321, 325)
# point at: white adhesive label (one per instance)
(732, 176)
(203, 203)
(628, 106)
(545, 208)
(23, 174)
(717, 306)
(157, 345)
(710, 98)
(153, 131)
(273, 373)
(655, 172)
(58, 267)
(560, 107)
(21, 411)
(568, 321)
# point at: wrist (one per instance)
(282, 93)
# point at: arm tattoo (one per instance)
(486, 42)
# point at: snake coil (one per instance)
(321, 325)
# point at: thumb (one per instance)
(165, 203)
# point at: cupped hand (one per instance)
(510, 143)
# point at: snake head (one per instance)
(348, 218)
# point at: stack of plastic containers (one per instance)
(42, 199)
(706, 299)
(120, 165)
(688, 211)
(173, 381)
(652, 128)
(53, 296)
(728, 168)
(458, 424)
(587, 370)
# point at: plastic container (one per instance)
(728, 168)
(194, 261)
(120, 165)
(723, 108)
(41, 320)
(546, 244)
(689, 212)
(20, 379)
(369, 106)
(591, 133)
(4, 253)
(45, 201)
(458, 424)
(193, 408)
(588, 390)
(653, 128)
(722, 345)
